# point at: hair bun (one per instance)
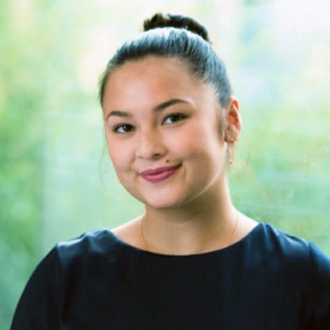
(177, 21)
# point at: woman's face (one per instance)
(164, 131)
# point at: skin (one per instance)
(156, 114)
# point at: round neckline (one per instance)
(203, 254)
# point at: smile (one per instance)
(159, 174)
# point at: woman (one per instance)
(191, 261)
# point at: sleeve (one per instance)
(320, 288)
(38, 308)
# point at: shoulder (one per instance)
(293, 254)
(93, 245)
(89, 240)
(278, 241)
(298, 267)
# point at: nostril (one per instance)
(150, 146)
(157, 156)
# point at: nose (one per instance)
(150, 145)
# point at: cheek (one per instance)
(118, 154)
(119, 158)
(206, 137)
(201, 152)
(209, 148)
(117, 149)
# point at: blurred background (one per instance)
(56, 181)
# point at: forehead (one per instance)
(168, 71)
(153, 79)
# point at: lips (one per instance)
(159, 174)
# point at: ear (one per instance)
(233, 120)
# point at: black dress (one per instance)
(268, 280)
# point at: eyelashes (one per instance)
(173, 118)
(123, 128)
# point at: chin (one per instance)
(159, 200)
(168, 201)
(169, 196)
(162, 203)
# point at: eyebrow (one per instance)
(158, 108)
(118, 114)
(167, 104)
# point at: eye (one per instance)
(123, 128)
(174, 117)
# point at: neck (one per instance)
(202, 225)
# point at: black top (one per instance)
(268, 280)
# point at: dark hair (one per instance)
(169, 36)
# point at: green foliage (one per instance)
(20, 165)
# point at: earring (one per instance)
(118, 180)
(231, 152)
